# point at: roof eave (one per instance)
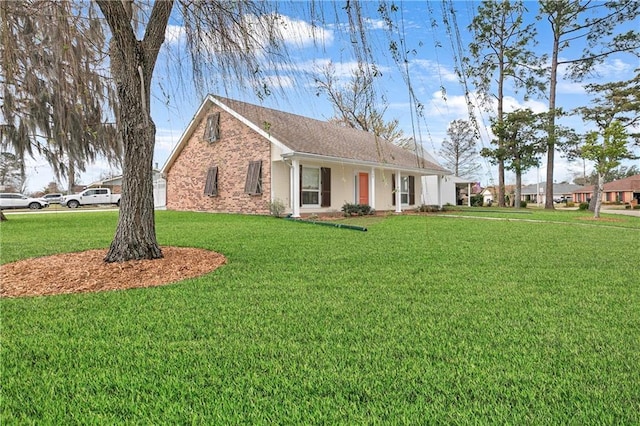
(425, 171)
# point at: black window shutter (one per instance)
(412, 190)
(300, 186)
(393, 189)
(212, 132)
(325, 185)
(211, 184)
(253, 184)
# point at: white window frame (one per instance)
(404, 190)
(318, 190)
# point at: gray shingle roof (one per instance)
(305, 135)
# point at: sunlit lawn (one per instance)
(421, 319)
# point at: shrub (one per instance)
(424, 208)
(636, 207)
(277, 207)
(583, 206)
(570, 204)
(523, 204)
(477, 200)
(356, 209)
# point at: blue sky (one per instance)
(431, 69)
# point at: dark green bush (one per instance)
(583, 206)
(424, 208)
(477, 200)
(523, 204)
(356, 209)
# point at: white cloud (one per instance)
(174, 34)
(613, 68)
(375, 24)
(300, 33)
(434, 69)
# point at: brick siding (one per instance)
(231, 153)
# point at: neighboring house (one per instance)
(626, 191)
(453, 190)
(487, 195)
(237, 157)
(115, 185)
(534, 193)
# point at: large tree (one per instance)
(616, 102)
(606, 151)
(501, 51)
(520, 145)
(459, 151)
(596, 25)
(55, 99)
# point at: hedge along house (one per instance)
(236, 157)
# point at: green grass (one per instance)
(422, 319)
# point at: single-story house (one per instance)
(237, 157)
(625, 191)
(115, 185)
(534, 193)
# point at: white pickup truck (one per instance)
(90, 196)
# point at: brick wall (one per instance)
(231, 153)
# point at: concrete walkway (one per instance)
(625, 212)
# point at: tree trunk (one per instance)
(551, 131)
(135, 236)
(501, 78)
(2, 216)
(132, 64)
(518, 189)
(71, 177)
(597, 194)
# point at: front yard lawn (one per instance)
(422, 319)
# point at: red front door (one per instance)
(363, 188)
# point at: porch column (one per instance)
(397, 194)
(468, 195)
(372, 188)
(295, 188)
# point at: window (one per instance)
(211, 184)
(212, 132)
(253, 185)
(404, 190)
(407, 190)
(310, 186)
(315, 186)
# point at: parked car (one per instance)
(53, 198)
(90, 196)
(562, 199)
(12, 200)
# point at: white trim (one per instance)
(397, 193)
(295, 188)
(372, 188)
(349, 161)
(249, 124)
